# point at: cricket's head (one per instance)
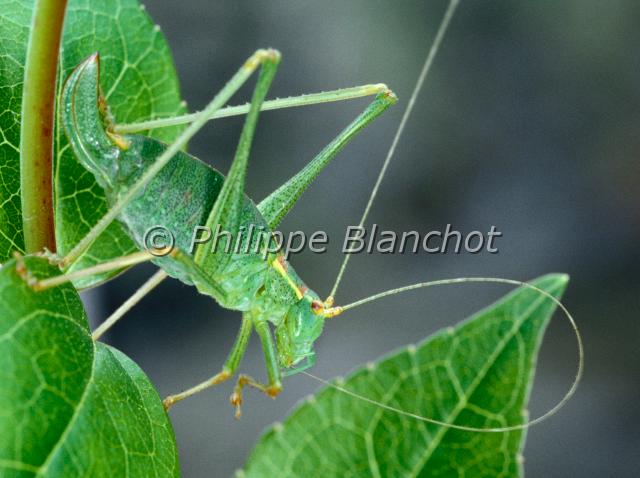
(84, 115)
(299, 330)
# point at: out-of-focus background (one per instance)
(529, 121)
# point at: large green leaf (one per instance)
(478, 374)
(139, 81)
(14, 27)
(69, 406)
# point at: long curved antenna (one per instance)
(433, 50)
(421, 285)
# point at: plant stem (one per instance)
(36, 134)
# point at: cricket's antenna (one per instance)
(522, 426)
(433, 50)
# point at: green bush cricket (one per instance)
(264, 290)
(148, 183)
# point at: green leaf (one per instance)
(14, 29)
(69, 406)
(478, 374)
(139, 80)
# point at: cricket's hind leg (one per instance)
(342, 94)
(227, 209)
(275, 206)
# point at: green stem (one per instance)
(36, 134)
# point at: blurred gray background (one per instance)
(529, 121)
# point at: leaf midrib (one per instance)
(63, 436)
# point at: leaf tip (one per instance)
(554, 283)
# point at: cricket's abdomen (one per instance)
(177, 199)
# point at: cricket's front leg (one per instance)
(274, 387)
(228, 370)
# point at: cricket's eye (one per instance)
(317, 307)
